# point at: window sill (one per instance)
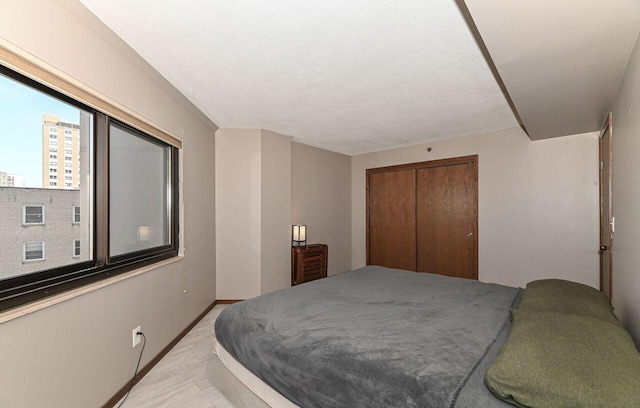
(28, 261)
(62, 297)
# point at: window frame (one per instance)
(73, 214)
(74, 249)
(172, 201)
(24, 252)
(22, 289)
(24, 215)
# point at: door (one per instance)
(447, 220)
(391, 219)
(606, 208)
(424, 217)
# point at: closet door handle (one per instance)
(470, 234)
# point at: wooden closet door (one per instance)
(391, 219)
(447, 202)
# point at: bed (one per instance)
(379, 337)
(373, 337)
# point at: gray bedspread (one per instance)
(373, 337)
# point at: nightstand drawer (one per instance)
(308, 263)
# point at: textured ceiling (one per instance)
(351, 77)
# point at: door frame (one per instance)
(607, 131)
(472, 159)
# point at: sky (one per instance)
(21, 110)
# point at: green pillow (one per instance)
(555, 359)
(557, 295)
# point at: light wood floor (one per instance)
(180, 378)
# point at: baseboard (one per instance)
(121, 393)
(228, 301)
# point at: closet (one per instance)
(423, 217)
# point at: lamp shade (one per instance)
(143, 233)
(299, 234)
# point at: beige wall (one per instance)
(321, 199)
(238, 213)
(276, 211)
(626, 198)
(265, 183)
(538, 203)
(253, 212)
(78, 353)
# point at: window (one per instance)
(76, 248)
(33, 215)
(33, 251)
(128, 196)
(143, 165)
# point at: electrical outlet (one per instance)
(136, 336)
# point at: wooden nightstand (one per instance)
(308, 263)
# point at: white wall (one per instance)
(538, 203)
(321, 199)
(238, 213)
(253, 212)
(626, 198)
(46, 361)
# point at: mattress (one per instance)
(240, 385)
(374, 337)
